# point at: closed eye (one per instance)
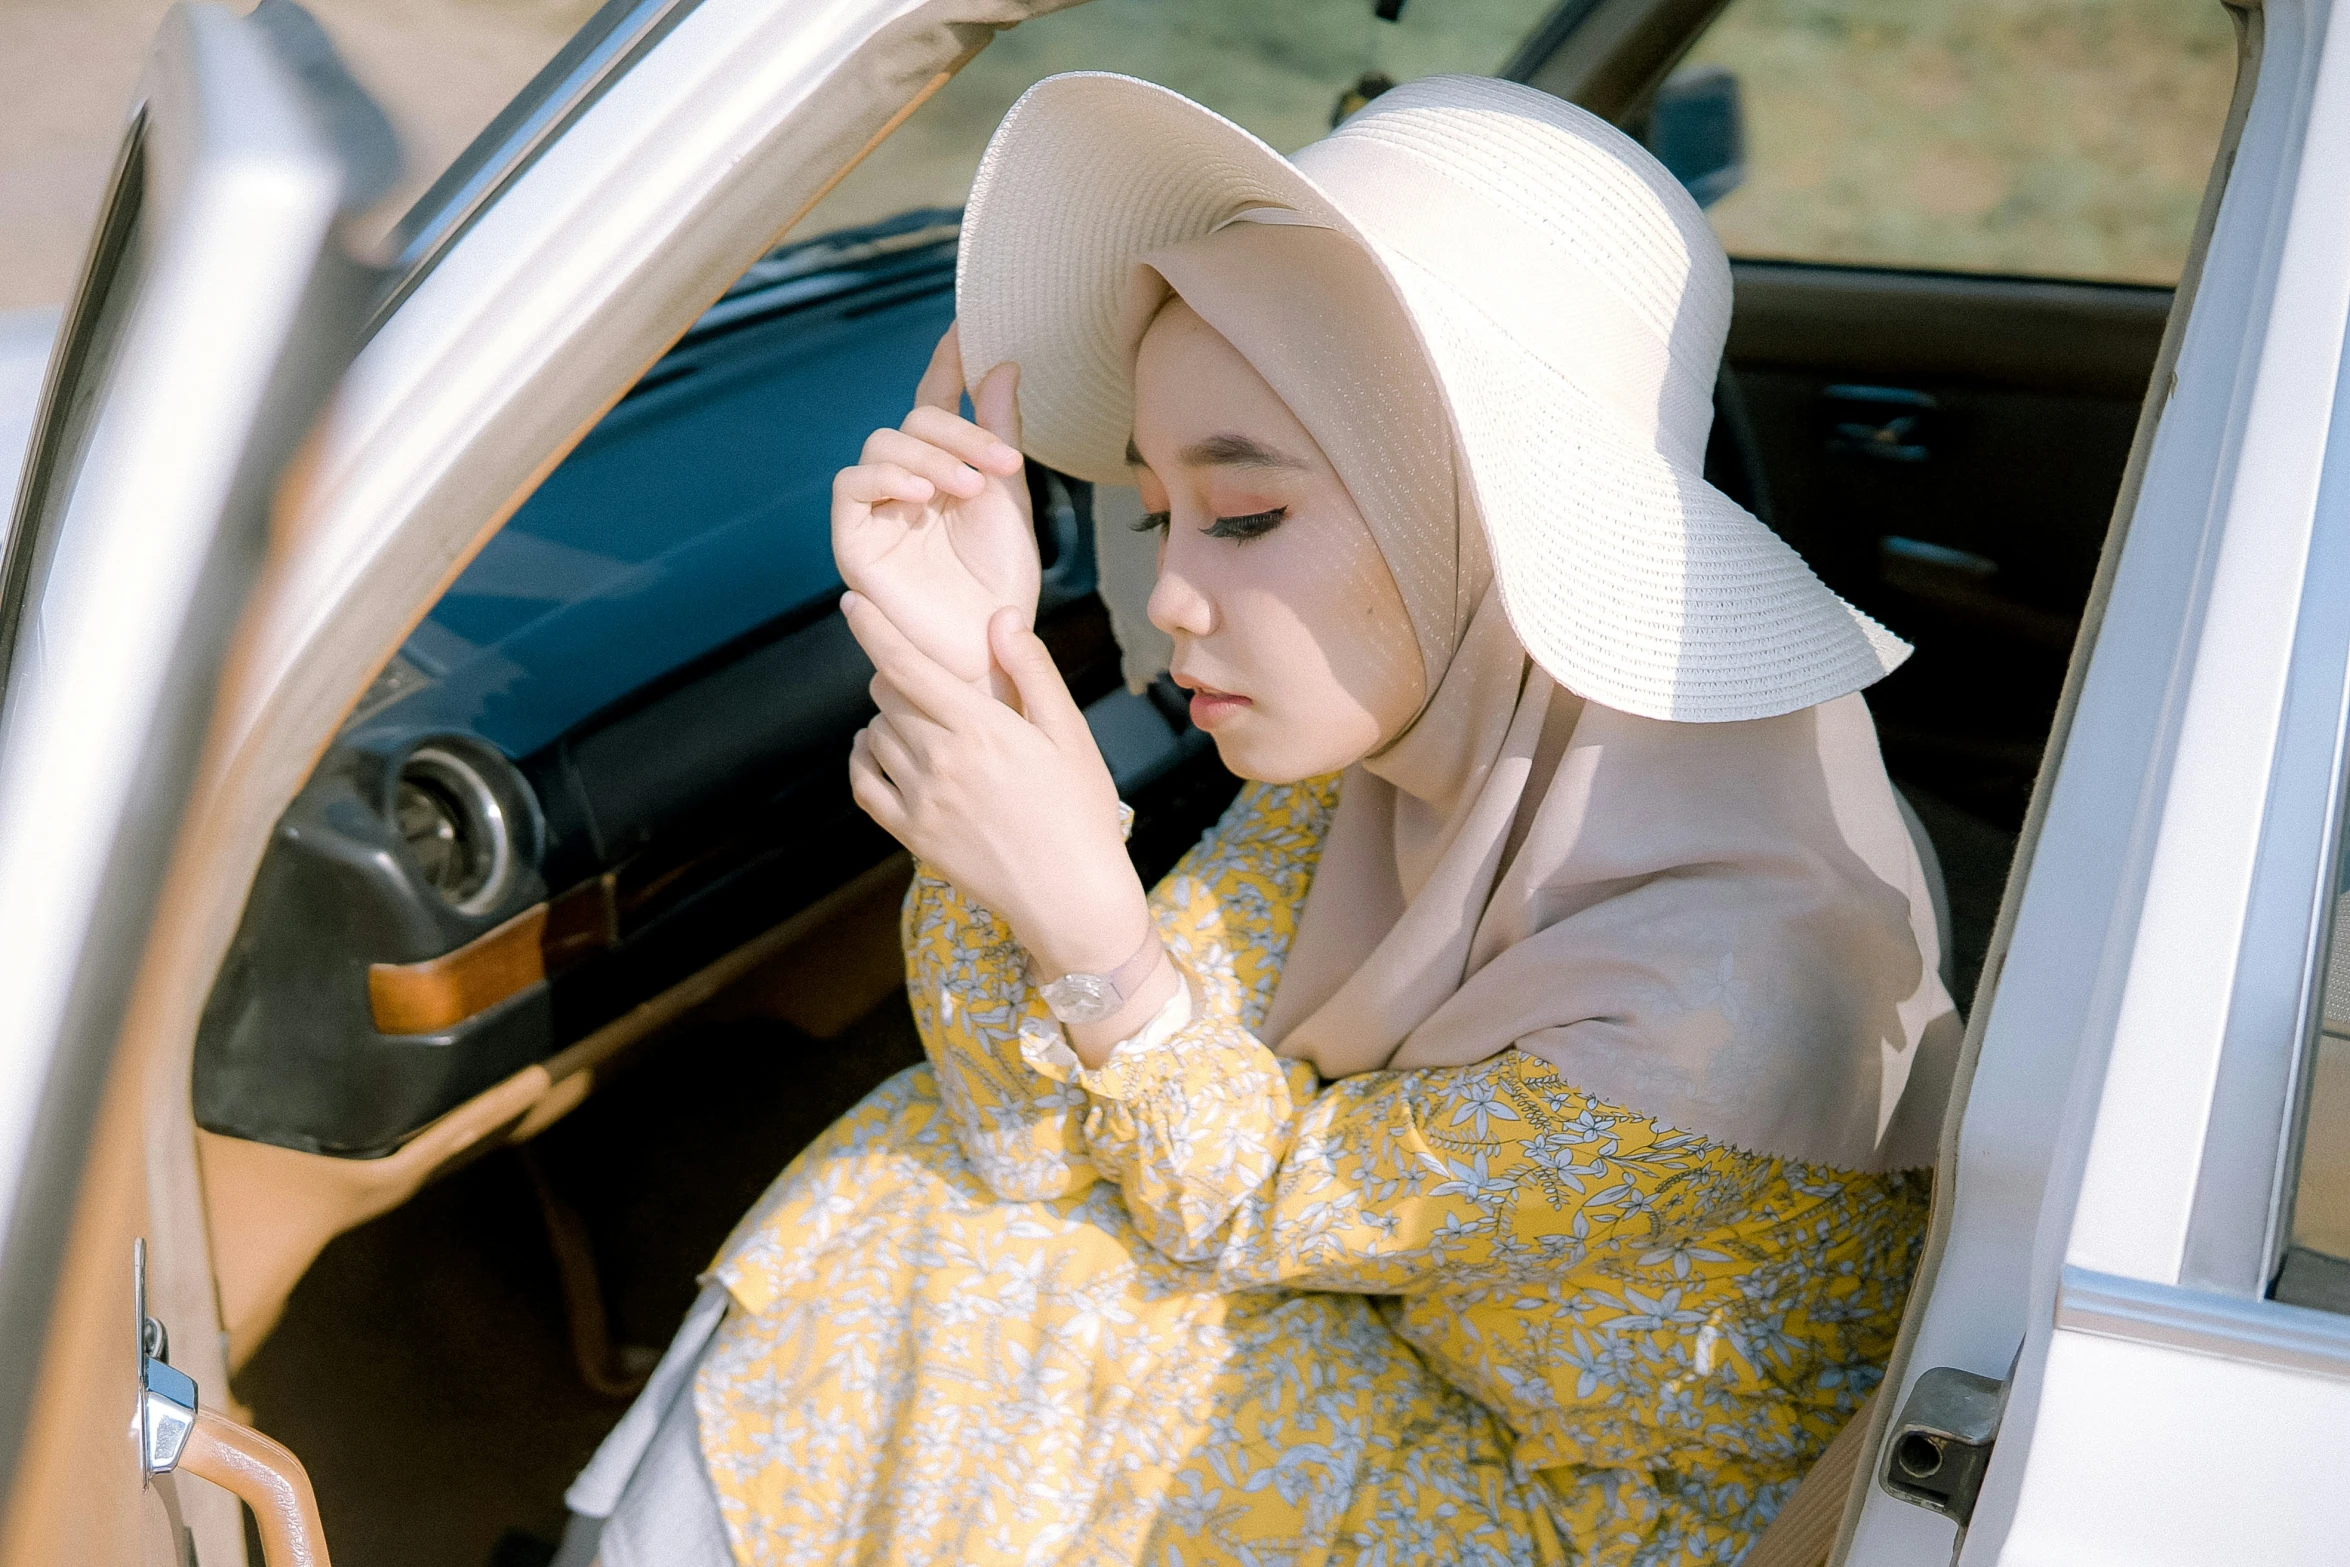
(1253, 526)
(1152, 522)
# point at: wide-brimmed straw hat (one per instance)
(1568, 295)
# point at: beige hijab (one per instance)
(1726, 926)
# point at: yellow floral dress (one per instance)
(1197, 1307)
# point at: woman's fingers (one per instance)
(870, 787)
(997, 403)
(920, 679)
(937, 416)
(941, 385)
(1044, 695)
(932, 461)
(953, 433)
(913, 731)
(875, 483)
(888, 748)
(894, 706)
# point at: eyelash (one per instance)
(1253, 526)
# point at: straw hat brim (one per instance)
(1627, 577)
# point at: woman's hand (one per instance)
(1016, 808)
(933, 524)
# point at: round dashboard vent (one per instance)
(456, 829)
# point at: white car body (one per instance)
(2110, 1198)
(26, 336)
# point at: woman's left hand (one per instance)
(1015, 807)
(932, 524)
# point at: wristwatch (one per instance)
(1088, 998)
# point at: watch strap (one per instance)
(1128, 976)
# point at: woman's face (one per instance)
(1288, 628)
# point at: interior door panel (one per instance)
(1945, 450)
(219, 302)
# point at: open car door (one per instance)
(215, 312)
(2130, 1341)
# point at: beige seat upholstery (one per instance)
(1804, 1533)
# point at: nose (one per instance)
(1177, 605)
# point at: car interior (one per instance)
(442, 1303)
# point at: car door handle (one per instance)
(179, 1436)
(266, 1477)
(1883, 423)
(183, 1438)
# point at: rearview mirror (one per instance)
(1698, 130)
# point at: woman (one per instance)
(1500, 1138)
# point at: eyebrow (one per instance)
(1223, 451)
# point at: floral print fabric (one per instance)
(1194, 1307)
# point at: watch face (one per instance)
(1080, 998)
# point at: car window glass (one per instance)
(1278, 69)
(2315, 1270)
(2066, 138)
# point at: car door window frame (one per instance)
(91, 328)
(2240, 1223)
(141, 524)
(607, 47)
(1610, 56)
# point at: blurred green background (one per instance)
(2059, 137)
(2069, 137)
(2066, 137)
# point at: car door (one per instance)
(216, 310)
(2110, 1356)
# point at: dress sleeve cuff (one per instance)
(1146, 1057)
(1044, 1045)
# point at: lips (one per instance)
(1209, 706)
